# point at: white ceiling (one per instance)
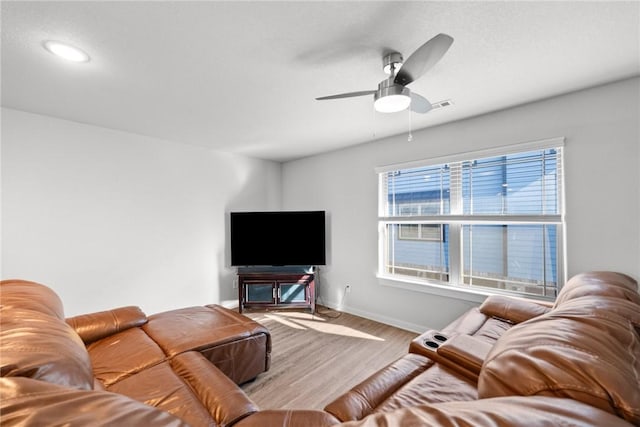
(242, 76)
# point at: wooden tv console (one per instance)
(276, 290)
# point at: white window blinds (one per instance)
(492, 222)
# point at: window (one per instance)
(491, 220)
(430, 232)
(418, 231)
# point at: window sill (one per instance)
(464, 293)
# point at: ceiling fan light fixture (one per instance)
(391, 97)
(392, 103)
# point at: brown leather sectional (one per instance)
(509, 362)
(98, 369)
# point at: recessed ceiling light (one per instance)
(68, 52)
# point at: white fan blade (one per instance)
(347, 95)
(419, 104)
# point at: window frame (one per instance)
(457, 220)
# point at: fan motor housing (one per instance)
(388, 87)
(395, 59)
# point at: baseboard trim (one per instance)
(407, 326)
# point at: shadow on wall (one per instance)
(248, 200)
(258, 189)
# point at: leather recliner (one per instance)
(119, 367)
(509, 362)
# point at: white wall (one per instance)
(602, 178)
(109, 218)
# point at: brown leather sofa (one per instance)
(120, 367)
(509, 362)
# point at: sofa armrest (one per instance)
(94, 326)
(362, 399)
(515, 310)
(460, 353)
(465, 351)
(225, 401)
(288, 418)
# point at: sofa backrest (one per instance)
(35, 340)
(599, 283)
(25, 295)
(95, 326)
(587, 348)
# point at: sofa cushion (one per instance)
(160, 387)
(477, 324)
(288, 418)
(498, 412)
(587, 350)
(189, 387)
(436, 384)
(123, 354)
(28, 402)
(199, 328)
(236, 344)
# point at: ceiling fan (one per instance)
(392, 94)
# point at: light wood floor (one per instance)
(317, 358)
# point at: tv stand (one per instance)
(276, 288)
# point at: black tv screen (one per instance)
(277, 238)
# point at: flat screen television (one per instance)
(279, 238)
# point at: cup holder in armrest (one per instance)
(433, 340)
(428, 343)
(431, 344)
(439, 337)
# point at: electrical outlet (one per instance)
(347, 289)
(235, 283)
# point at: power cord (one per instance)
(330, 313)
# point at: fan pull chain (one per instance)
(373, 118)
(410, 137)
